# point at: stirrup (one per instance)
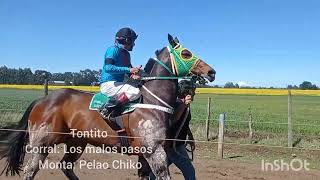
(107, 110)
(103, 111)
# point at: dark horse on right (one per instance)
(66, 109)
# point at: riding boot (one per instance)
(113, 105)
(120, 101)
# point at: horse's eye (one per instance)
(186, 54)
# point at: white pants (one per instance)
(112, 88)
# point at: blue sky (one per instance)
(259, 42)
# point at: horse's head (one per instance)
(185, 62)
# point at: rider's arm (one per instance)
(109, 65)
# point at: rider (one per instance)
(178, 155)
(116, 65)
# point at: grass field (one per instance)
(269, 112)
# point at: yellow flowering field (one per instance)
(276, 92)
(41, 87)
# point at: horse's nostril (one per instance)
(212, 72)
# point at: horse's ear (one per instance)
(176, 40)
(171, 41)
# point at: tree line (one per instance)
(26, 76)
(88, 77)
(304, 86)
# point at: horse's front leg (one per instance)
(158, 163)
(154, 134)
(33, 165)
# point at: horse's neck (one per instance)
(166, 90)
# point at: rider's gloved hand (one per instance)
(135, 76)
(135, 70)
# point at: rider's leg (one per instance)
(109, 88)
(115, 89)
(130, 91)
(120, 93)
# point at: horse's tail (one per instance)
(15, 150)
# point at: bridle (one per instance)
(180, 66)
(180, 69)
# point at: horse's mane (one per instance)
(149, 66)
(151, 61)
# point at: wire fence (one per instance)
(262, 119)
(166, 139)
(257, 122)
(204, 120)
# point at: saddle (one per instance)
(99, 99)
(117, 120)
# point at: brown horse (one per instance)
(67, 109)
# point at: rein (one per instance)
(155, 96)
(178, 132)
(164, 78)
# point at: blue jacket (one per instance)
(120, 65)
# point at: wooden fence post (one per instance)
(208, 118)
(46, 87)
(250, 125)
(221, 135)
(289, 119)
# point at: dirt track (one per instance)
(205, 169)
